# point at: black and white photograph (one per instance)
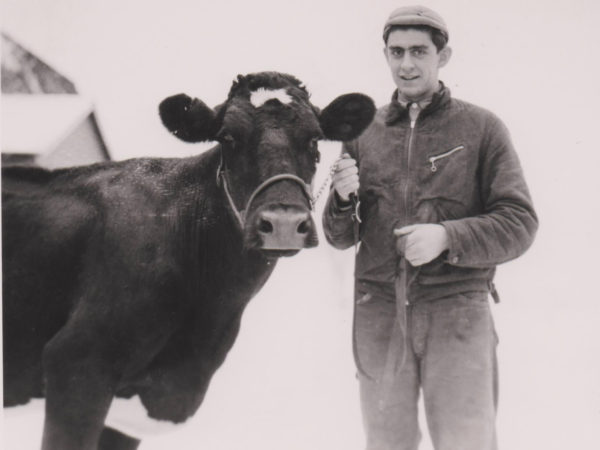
(321, 225)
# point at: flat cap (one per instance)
(415, 15)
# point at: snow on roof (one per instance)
(36, 124)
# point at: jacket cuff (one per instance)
(340, 205)
(454, 255)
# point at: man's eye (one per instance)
(418, 52)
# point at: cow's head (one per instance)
(268, 132)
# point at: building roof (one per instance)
(25, 73)
(39, 107)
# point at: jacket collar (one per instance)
(396, 111)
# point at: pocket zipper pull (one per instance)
(433, 159)
(433, 166)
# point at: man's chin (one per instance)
(410, 93)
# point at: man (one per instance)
(442, 202)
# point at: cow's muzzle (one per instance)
(282, 229)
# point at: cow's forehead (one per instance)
(257, 101)
(254, 110)
(259, 88)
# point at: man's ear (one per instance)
(445, 55)
(188, 119)
(346, 117)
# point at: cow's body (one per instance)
(130, 278)
(160, 258)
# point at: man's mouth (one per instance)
(409, 78)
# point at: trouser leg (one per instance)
(459, 374)
(389, 410)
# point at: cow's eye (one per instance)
(225, 137)
(313, 145)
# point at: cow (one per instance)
(127, 280)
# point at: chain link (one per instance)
(325, 183)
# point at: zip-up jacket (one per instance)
(454, 165)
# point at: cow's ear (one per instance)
(346, 117)
(188, 119)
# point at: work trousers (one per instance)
(445, 349)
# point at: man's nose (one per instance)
(407, 62)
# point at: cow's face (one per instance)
(268, 133)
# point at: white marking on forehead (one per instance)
(263, 95)
(129, 416)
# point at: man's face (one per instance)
(414, 62)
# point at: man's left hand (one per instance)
(422, 242)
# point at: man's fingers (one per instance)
(346, 185)
(414, 259)
(346, 181)
(417, 257)
(344, 161)
(343, 164)
(411, 244)
(345, 178)
(346, 175)
(347, 172)
(404, 230)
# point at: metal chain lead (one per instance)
(355, 203)
(354, 197)
(325, 183)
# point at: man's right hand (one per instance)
(345, 177)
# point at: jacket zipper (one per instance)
(408, 154)
(413, 122)
(433, 159)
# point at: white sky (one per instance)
(532, 62)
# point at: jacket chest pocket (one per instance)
(444, 175)
(433, 159)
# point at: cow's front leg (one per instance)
(80, 383)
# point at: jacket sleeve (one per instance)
(508, 224)
(338, 224)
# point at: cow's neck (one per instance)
(214, 241)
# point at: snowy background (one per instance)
(289, 381)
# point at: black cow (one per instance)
(128, 279)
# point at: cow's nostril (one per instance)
(303, 227)
(264, 226)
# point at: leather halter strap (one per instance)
(240, 215)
